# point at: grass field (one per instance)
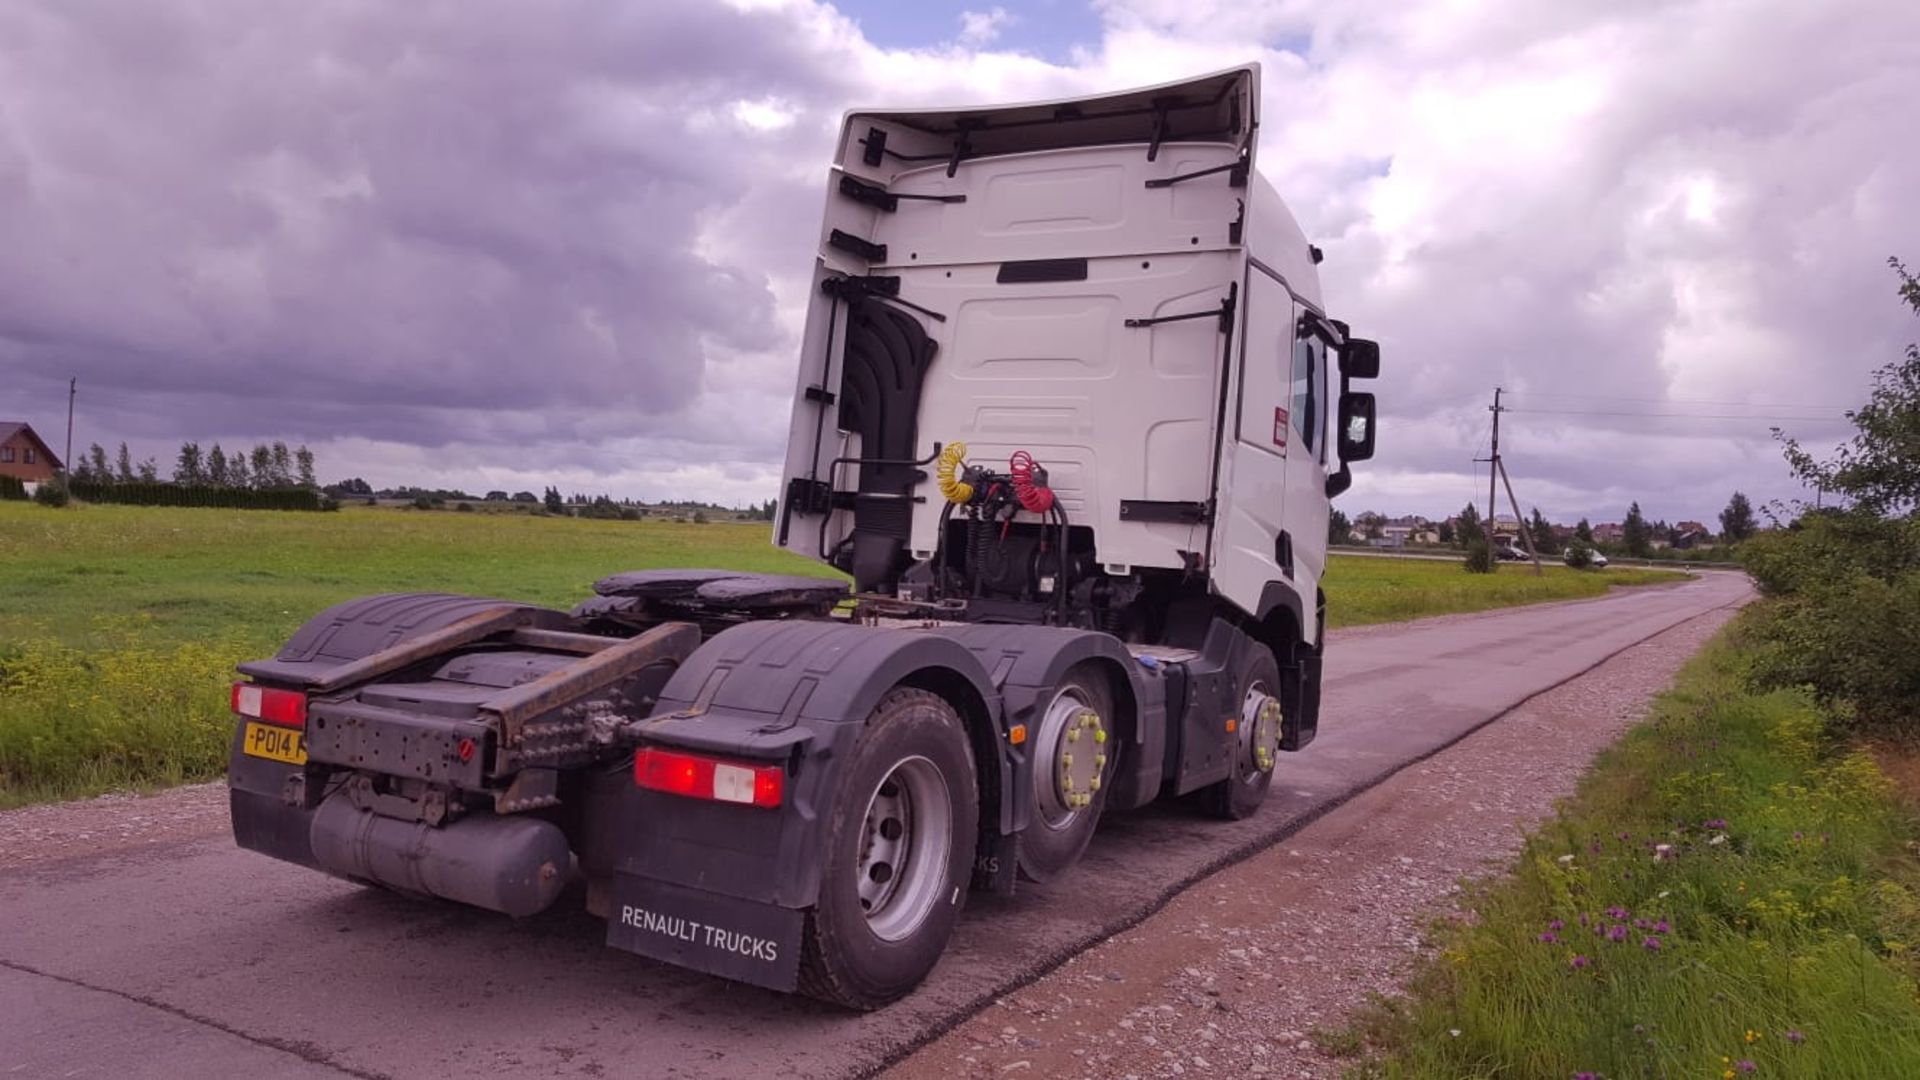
(1732, 892)
(119, 626)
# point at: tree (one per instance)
(237, 473)
(261, 459)
(525, 497)
(1635, 535)
(1469, 532)
(1338, 527)
(123, 465)
(187, 468)
(1446, 532)
(97, 463)
(1879, 468)
(217, 467)
(1543, 539)
(496, 496)
(555, 504)
(282, 460)
(149, 471)
(303, 464)
(1583, 532)
(1736, 521)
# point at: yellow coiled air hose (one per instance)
(957, 491)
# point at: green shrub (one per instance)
(1844, 616)
(161, 493)
(1579, 556)
(50, 493)
(11, 487)
(1480, 557)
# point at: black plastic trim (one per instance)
(1029, 271)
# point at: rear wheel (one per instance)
(1258, 728)
(899, 854)
(1074, 751)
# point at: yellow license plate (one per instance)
(275, 744)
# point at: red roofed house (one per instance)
(24, 455)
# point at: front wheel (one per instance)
(899, 854)
(1258, 728)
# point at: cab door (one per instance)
(1249, 543)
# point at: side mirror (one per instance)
(1360, 359)
(1356, 425)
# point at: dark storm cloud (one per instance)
(405, 221)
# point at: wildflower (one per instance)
(1455, 1032)
(1624, 837)
(1618, 933)
(1664, 893)
(1752, 1036)
(1550, 938)
(1586, 1076)
(1642, 924)
(1661, 927)
(1583, 918)
(1718, 838)
(1651, 944)
(1565, 860)
(1745, 1065)
(1717, 824)
(1795, 1037)
(1618, 913)
(1579, 962)
(1662, 851)
(1556, 925)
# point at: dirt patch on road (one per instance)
(1238, 974)
(37, 835)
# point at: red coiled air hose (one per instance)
(1034, 497)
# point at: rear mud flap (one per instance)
(720, 935)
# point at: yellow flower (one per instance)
(1752, 1035)
(1727, 1075)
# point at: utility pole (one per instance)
(1497, 473)
(66, 463)
(1494, 465)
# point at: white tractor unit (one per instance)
(1069, 414)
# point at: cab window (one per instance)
(1309, 390)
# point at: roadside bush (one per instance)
(1480, 557)
(51, 494)
(11, 487)
(1844, 616)
(1579, 556)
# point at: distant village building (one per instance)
(1611, 532)
(24, 455)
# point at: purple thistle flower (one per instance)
(1579, 962)
(1556, 925)
(1583, 918)
(1651, 944)
(1745, 1065)
(1550, 938)
(1586, 1076)
(1641, 924)
(1661, 927)
(1625, 837)
(1795, 1037)
(1717, 824)
(1619, 913)
(1618, 933)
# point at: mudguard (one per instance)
(796, 692)
(1027, 662)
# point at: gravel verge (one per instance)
(1237, 974)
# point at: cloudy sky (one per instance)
(504, 244)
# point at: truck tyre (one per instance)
(1240, 794)
(1074, 753)
(900, 837)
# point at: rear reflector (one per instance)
(699, 777)
(285, 707)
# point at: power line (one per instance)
(1670, 416)
(1680, 401)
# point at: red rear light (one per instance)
(700, 777)
(285, 707)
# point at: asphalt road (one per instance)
(195, 958)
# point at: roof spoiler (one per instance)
(1220, 107)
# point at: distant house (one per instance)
(24, 455)
(1691, 534)
(1611, 532)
